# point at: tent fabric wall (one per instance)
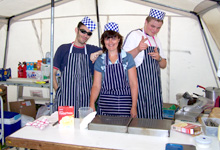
(189, 61)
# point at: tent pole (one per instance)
(51, 55)
(6, 42)
(209, 49)
(97, 14)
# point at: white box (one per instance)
(34, 74)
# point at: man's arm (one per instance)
(141, 46)
(95, 55)
(55, 84)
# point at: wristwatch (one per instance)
(160, 59)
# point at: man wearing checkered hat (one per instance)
(73, 60)
(149, 57)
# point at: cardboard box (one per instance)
(187, 128)
(4, 97)
(26, 107)
(66, 115)
(169, 110)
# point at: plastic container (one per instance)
(203, 141)
(210, 130)
(45, 70)
(84, 111)
(48, 58)
(12, 122)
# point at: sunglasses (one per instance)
(85, 32)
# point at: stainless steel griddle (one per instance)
(110, 123)
(131, 125)
(153, 127)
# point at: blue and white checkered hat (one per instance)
(111, 26)
(89, 23)
(157, 14)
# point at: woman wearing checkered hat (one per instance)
(149, 57)
(115, 77)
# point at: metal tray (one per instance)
(110, 123)
(150, 127)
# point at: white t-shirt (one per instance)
(132, 41)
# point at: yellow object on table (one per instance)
(40, 82)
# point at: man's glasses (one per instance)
(85, 32)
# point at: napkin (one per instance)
(84, 123)
(39, 123)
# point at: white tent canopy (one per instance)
(190, 35)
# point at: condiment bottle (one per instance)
(20, 70)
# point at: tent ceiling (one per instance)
(9, 8)
(18, 9)
(12, 8)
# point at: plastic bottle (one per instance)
(58, 76)
(24, 70)
(48, 58)
(20, 70)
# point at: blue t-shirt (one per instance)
(127, 62)
(61, 56)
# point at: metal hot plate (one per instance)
(150, 127)
(110, 123)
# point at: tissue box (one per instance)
(12, 122)
(210, 130)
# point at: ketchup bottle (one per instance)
(24, 70)
(20, 70)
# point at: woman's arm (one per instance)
(132, 75)
(95, 88)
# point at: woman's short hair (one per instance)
(111, 34)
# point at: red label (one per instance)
(65, 111)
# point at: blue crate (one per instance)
(12, 122)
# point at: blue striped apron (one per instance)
(76, 82)
(150, 101)
(115, 95)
